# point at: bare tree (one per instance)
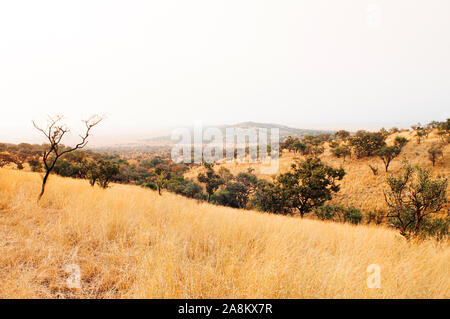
(55, 132)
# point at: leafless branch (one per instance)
(55, 132)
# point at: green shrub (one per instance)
(193, 190)
(328, 212)
(35, 165)
(352, 215)
(151, 186)
(437, 228)
(338, 212)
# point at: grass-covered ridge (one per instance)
(130, 242)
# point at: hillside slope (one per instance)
(360, 187)
(129, 242)
(284, 131)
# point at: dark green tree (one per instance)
(107, 170)
(211, 179)
(91, 171)
(35, 165)
(342, 134)
(387, 154)
(160, 176)
(308, 184)
(367, 143)
(237, 192)
(268, 197)
(298, 146)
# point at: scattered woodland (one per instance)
(141, 226)
(311, 186)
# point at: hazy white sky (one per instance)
(153, 64)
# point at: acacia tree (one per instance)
(102, 172)
(54, 133)
(309, 184)
(160, 176)
(420, 132)
(342, 134)
(388, 153)
(107, 170)
(367, 144)
(92, 172)
(342, 151)
(237, 191)
(412, 197)
(211, 179)
(288, 143)
(434, 152)
(298, 146)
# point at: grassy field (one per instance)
(130, 242)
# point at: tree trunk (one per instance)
(44, 181)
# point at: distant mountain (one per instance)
(284, 131)
(164, 143)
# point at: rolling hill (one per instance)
(284, 131)
(128, 242)
(360, 187)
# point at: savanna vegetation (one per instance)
(139, 225)
(130, 242)
(312, 177)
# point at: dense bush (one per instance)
(35, 165)
(327, 212)
(268, 197)
(150, 185)
(185, 187)
(352, 215)
(68, 169)
(339, 213)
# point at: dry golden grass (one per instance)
(129, 242)
(360, 187)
